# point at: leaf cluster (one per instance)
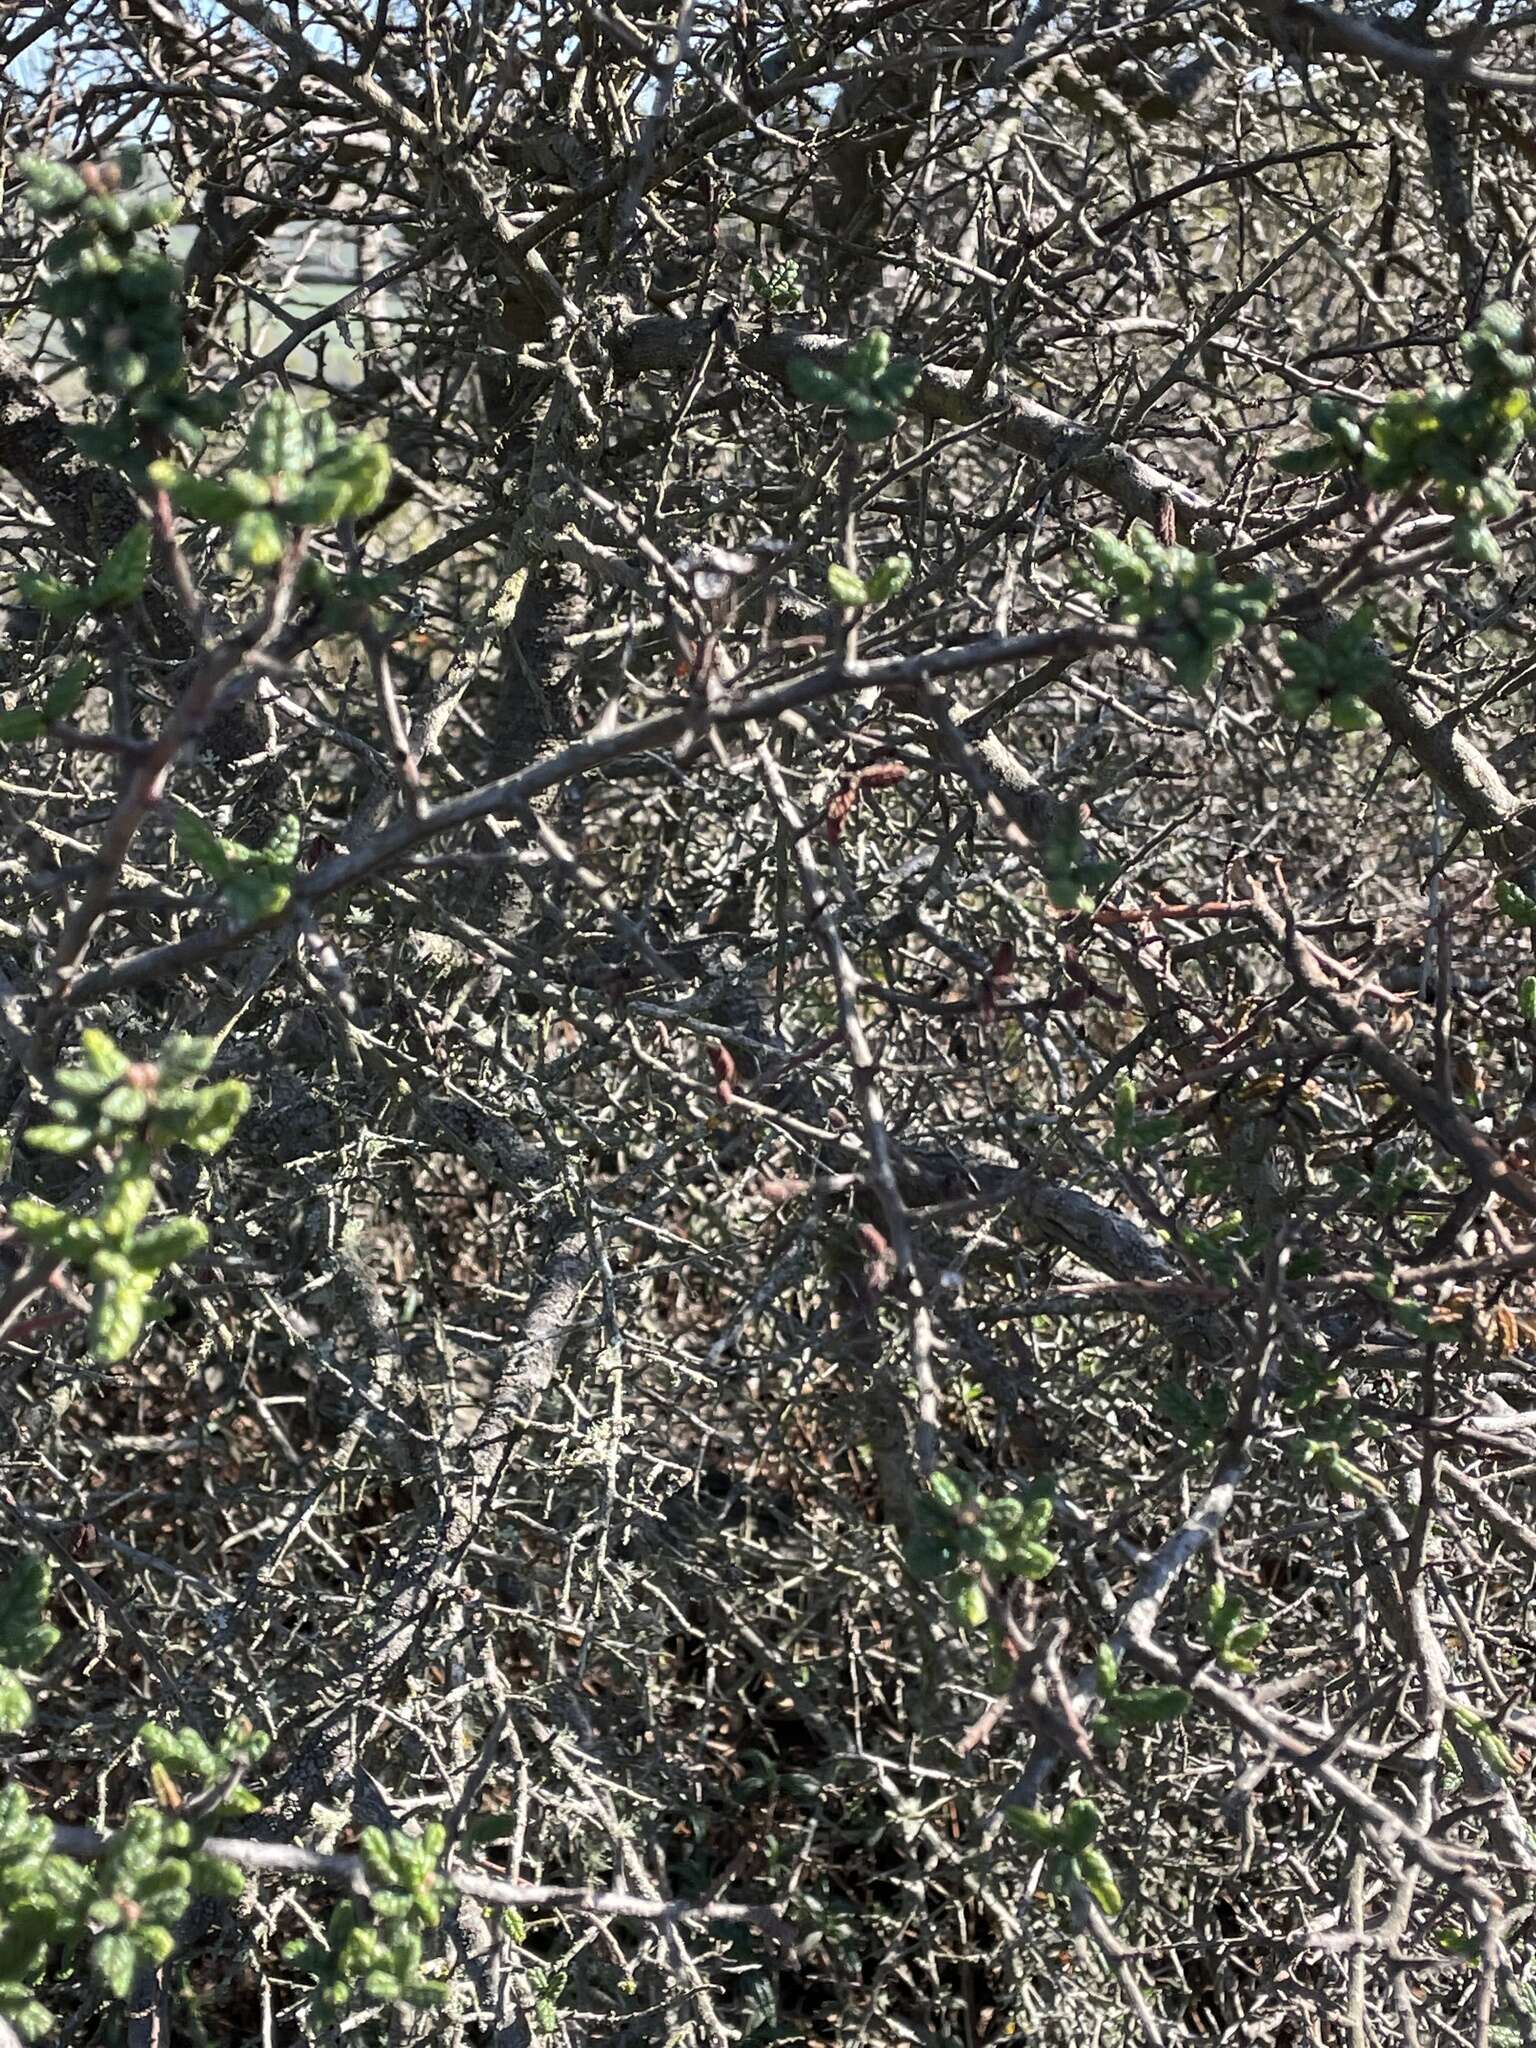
(778, 285)
(1223, 1620)
(133, 1112)
(120, 581)
(869, 386)
(123, 1909)
(26, 1639)
(1186, 610)
(144, 1884)
(181, 1756)
(43, 1900)
(298, 472)
(119, 302)
(1451, 442)
(372, 1949)
(1128, 1710)
(967, 1539)
(1339, 671)
(882, 584)
(255, 882)
(1069, 1843)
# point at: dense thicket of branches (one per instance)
(762, 1048)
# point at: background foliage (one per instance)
(768, 1023)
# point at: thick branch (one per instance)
(348, 1872)
(91, 506)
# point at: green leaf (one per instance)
(1100, 1881)
(101, 1055)
(1496, 1752)
(362, 467)
(219, 500)
(890, 579)
(216, 1876)
(1037, 1516)
(1079, 1825)
(278, 442)
(1502, 323)
(216, 1112)
(116, 1319)
(255, 894)
(129, 1198)
(813, 382)
(40, 1221)
(122, 576)
(1237, 1651)
(970, 1605)
(946, 1490)
(257, 541)
(24, 723)
(29, 2020)
(870, 357)
(112, 1960)
(177, 1238)
(1213, 1611)
(1031, 1561)
(253, 491)
(1152, 1705)
(53, 597)
(1349, 713)
(896, 384)
(63, 695)
(68, 1140)
(202, 846)
(1298, 700)
(1032, 1826)
(875, 425)
(123, 1105)
(1123, 565)
(186, 1058)
(15, 1704)
(282, 848)
(1514, 902)
(1474, 542)
(25, 1637)
(319, 501)
(377, 1854)
(51, 188)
